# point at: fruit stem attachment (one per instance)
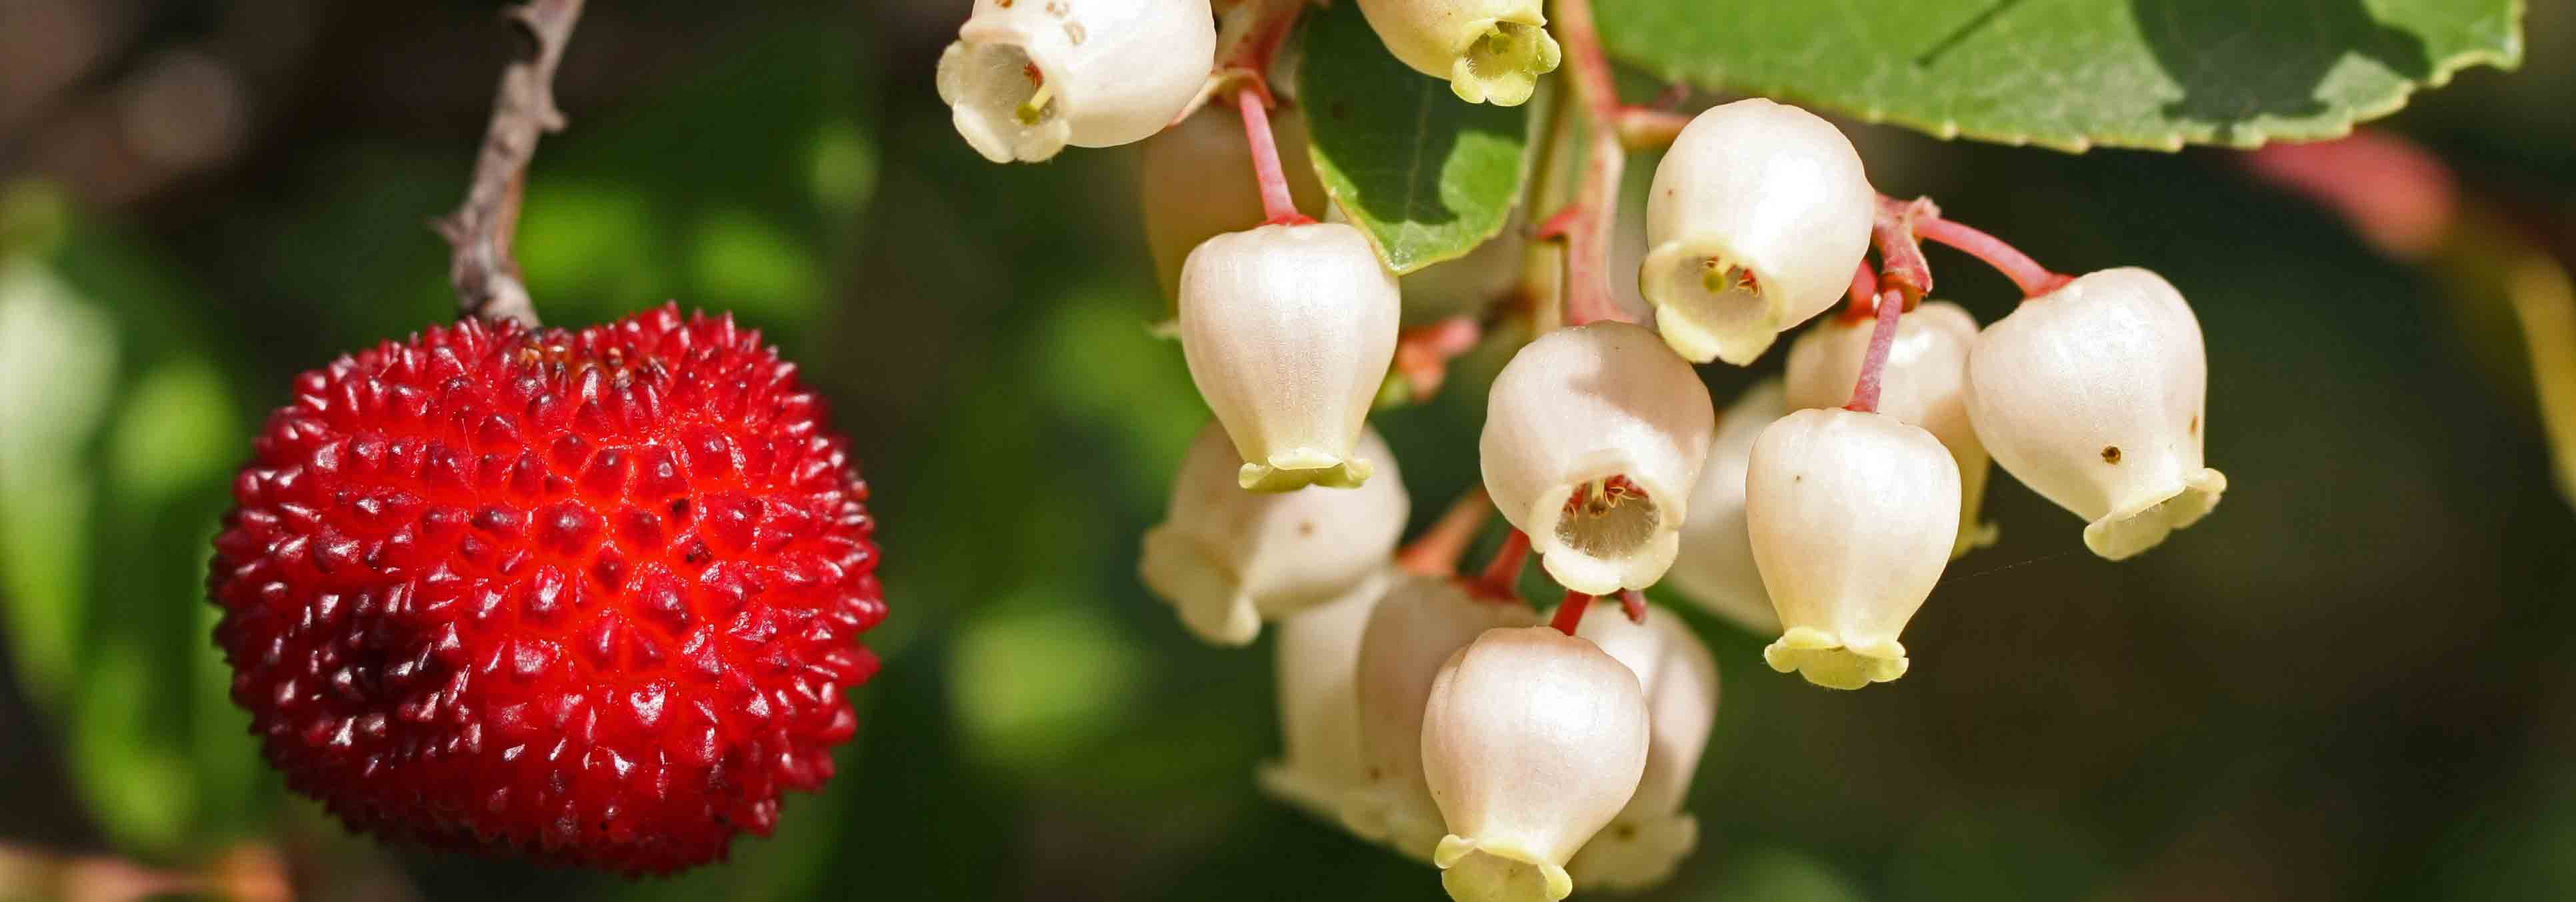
(1901, 266)
(1569, 614)
(1248, 35)
(1436, 551)
(1641, 128)
(1873, 368)
(479, 232)
(1633, 603)
(1500, 583)
(2033, 279)
(1863, 293)
(1276, 202)
(1587, 219)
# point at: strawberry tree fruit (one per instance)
(591, 597)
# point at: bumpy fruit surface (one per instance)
(593, 597)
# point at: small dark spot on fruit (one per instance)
(2111, 454)
(2195, 424)
(1798, 478)
(1306, 529)
(680, 507)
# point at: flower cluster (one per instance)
(1437, 713)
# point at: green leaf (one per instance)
(1425, 175)
(2072, 74)
(109, 499)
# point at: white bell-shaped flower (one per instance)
(1027, 77)
(1417, 626)
(1758, 217)
(1650, 837)
(1319, 705)
(2094, 395)
(1532, 741)
(1491, 51)
(1196, 184)
(1593, 439)
(1228, 559)
(1715, 567)
(1925, 384)
(1853, 516)
(1288, 330)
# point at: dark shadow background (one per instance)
(2351, 682)
(2237, 60)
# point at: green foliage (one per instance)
(1426, 176)
(2071, 74)
(108, 502)
(627, 211)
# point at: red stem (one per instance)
(1437, 550)
(1641, 128)
(1633, 604)
(1863, 294)
(1596, 202)
(1901, 266)
(1275, 199)
(2033, 279)
(1873, 368)
(1569, 615)
(1502, 578)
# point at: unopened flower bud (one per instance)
(1593, 439)
(1758, 216)
(1412, 631)
(1926, 384)
(1288, 330)
(2094, 395)
(1026, 78)
(1196, 184)
(1715, 567)
(1319, 706)
(1491, 51)
(1853, 517)
(1229, 559)
(1532, 741)
(1641, 847)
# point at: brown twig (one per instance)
(486, 278)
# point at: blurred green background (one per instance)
(2352, 682)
